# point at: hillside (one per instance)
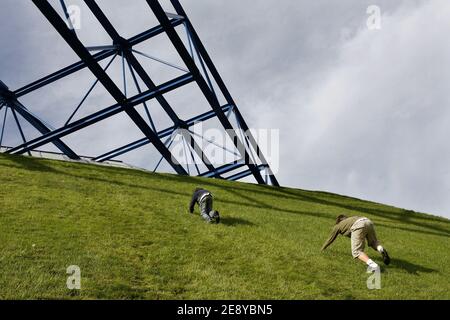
(131, 235)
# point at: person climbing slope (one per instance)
(204, 199)
(358, 229)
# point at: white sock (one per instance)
(380, 249)
(371, 263)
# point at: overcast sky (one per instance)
(361, 112)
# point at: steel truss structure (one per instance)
(199, 70)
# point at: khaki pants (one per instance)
(361, 230)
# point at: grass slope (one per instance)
(131, 235)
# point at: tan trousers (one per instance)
(361, 230)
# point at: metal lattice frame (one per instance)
(200, 71)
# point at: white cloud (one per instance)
(376, 124)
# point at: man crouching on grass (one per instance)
(358, 229)
(205, 202)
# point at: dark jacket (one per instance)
(198, 193)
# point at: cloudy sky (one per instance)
(361, 112)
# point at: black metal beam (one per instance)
(150, 84)
(101, 17)
(52, 16)
(196, 148)
(187, 59)
(109, 28)
(19, 127)
(122, 46)
(218, 79)
(42, 128)
(224, 169)
(117, 39)
(101, 115)
(162, 134)
(244, 174)
(99, 56)
(14, 104)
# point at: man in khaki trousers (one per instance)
(358, 229)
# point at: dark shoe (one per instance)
(215, 216)
(386, 258)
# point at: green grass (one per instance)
(130, 233)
